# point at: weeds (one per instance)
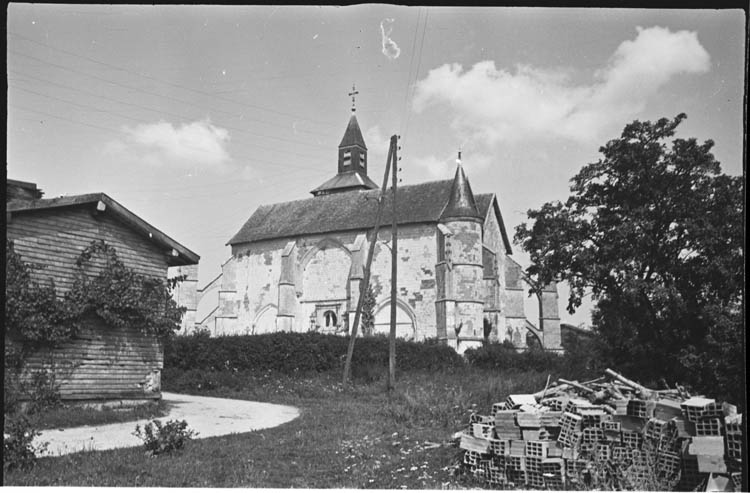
(159, 439)
(18, 450)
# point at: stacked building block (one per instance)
(558, 440)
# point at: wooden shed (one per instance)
(102, 363)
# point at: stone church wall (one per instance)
(311, 283)
(322, 267)
(417, 255)
(495, 296)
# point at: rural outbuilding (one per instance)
(101, 362)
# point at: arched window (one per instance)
(330, 319)
(532, 340)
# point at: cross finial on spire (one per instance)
(458, 159)
(352, 94)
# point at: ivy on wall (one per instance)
(33, 312)
(122, 297)
(103, 286)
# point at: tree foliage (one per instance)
(654, 230)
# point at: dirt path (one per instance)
(209, 416)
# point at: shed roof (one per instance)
(184, 255)
(355, 210)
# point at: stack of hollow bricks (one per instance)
(552, 443)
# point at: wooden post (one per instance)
(394, 277)
(366, 278)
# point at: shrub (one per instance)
(577, 363)
(158, 438)
(19, 452)
(293, 353)
(44, 392)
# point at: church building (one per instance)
(297, 266)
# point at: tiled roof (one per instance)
(348, 180)
(355, 210)
(184, 255)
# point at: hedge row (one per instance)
(288, 352)
(577, 362)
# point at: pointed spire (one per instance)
(353, 135)
(461, 203)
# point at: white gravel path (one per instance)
(209, 416)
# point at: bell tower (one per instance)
(352, 160)
(352, 149)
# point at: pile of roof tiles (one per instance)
(610, 432)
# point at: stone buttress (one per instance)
(287, 290)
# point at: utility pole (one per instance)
(394, 277)
(371, 250)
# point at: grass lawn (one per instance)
(361, 438)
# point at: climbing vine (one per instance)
(103, 286)
(122, 297)
(33, 312)
(368, 311)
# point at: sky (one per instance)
(193, 116)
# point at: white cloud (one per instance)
(443, 168)
(493, 105)
(390, 48)
(188, 145)
(377, 142)
(377, 152)
(434, 168)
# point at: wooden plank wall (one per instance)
(56, 237)
(103, 362)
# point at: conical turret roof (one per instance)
(353, 135)
(461, 203)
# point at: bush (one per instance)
(158, 438)
(44, 393)
(293, 353)
(577, 363)
(18, 450)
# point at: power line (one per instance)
(238, 214)
(419, 64)
(283, 150)
(204, 186)
(411, 60)
(115, 67)
(120, 131)
(154, 94)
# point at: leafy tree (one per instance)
(655, 232)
